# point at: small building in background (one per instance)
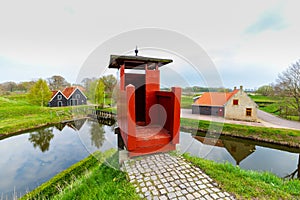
(70, 96)
(235, 105)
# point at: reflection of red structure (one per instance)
(149, 119)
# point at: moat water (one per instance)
(30, 159)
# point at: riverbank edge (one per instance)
(290, 143)
(247, 184)
(244, 184)
(65, 181)
(183, 127)
(49, 188)
(252, 138)
(38, 126)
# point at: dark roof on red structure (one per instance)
(135, 62)
(215, 98)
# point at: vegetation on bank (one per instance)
(186, 101)
(247, 184)
(274, 135)
(270, 104)
(18, 114)
(91, 178)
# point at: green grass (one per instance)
(186, 101)
(246, 184)
(17, 114)
(102, 182)
(274, 135)
(91, 178)
(264, 99)
(266, 103)
(272, 104)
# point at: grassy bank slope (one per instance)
(90, 178)
(247, 184)
(279, 136)
(17, 114)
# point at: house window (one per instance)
(77, 96)
(249, 112)
(235, 102)
(59, 97)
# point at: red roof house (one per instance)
(70, 96)
(231, 105)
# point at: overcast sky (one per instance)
(249, 42)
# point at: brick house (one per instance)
(235, 105)
(70, 96)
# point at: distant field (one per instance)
(17, 114)
(272, 105)
(186, 101)
(265, 103)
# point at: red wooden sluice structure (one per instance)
(148, 119)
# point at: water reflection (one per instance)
(238, 150)
(296, 173)
(41, 138)
(250, 155)
(97, 135)
(37, 156)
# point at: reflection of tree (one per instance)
(97, 135)
(296, 172)
(41, 138)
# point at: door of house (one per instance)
(221, 112)
(59, 103)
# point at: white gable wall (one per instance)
(238, 112)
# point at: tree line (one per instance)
(287, 88)
(55, 82)
(40, 91)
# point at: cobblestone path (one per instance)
(162, 176)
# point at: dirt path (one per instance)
(265, 120)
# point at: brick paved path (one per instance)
(162, 176)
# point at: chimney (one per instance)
(241, 89)
(234, 88)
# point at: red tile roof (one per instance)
(215, 98)
(53, 93)
(68, 91)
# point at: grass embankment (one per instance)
(186, 102)
(274, 105)
(278, 136)
(246, 184)
(90, 178)
(17, 114)
(266, 103)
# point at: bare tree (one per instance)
(109, 82)
(57, 82)
(265, 90)
(9, 86)
(288, 85)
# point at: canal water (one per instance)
(29, 159)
